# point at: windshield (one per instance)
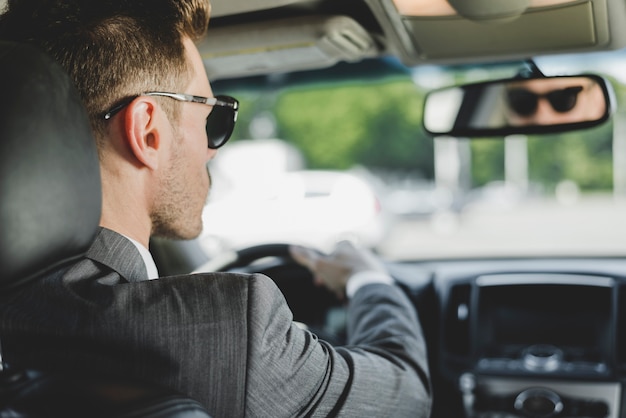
(315, 162)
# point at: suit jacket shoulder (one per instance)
(188, 333)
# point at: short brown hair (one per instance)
(112, 49)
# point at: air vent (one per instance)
(456, 332)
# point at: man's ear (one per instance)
(142, 132)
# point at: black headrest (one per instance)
(50, 192)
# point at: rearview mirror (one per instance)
(518, 106)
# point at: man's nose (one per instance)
(545, 113)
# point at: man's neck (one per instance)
(124, 205)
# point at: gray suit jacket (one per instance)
(224, 339)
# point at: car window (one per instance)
(413, 196)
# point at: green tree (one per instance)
(378, 125)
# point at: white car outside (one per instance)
(309, 207)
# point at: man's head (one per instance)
(153, 152)
(111, 49)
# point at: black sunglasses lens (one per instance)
(216, 128)
(564, 100)
(523, 102)
(221, 122)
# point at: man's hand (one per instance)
(334, 270)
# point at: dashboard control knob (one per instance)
(542, 358)
(538, 403)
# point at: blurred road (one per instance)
(593, 225)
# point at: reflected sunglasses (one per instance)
(219, 124)
(524, 102)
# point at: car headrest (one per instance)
(50, 191)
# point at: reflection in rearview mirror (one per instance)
(536, 105)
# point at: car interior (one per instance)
(534, 334)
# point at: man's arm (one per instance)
(383, 325)
(290, 372)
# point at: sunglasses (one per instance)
(219, 124)
(524, 102)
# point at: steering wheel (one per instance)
(312, 305)
(243, 259)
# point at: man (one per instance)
(227, 340)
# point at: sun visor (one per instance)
(532, 32)
(505, 31)
(282, 46)
(232, 7)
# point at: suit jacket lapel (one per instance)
(118, 253)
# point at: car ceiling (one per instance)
(259, 37)
(248, 38)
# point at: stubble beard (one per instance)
(178, 209)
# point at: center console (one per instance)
(535, 345)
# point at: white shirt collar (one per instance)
(151, 267)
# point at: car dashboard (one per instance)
(522, 337)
